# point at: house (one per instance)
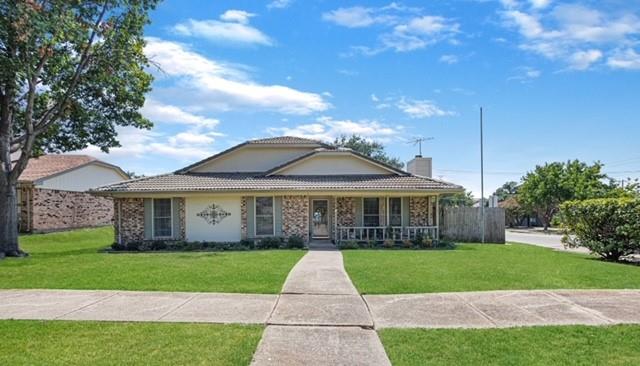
(281, 186)
(52, 193)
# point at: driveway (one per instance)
(547, 240)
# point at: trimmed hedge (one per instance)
(609, 227)
(274, 242)
(395, 244)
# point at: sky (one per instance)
(557, 81)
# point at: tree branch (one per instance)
(47, 119)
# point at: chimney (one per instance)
(420, 166)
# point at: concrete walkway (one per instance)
(320, 319)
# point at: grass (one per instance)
(72, 260)
(476, 267)
(111, 343)
(557, 345)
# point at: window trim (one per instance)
(363, 223)
(401, 211)
(255, 217)
(153, 218)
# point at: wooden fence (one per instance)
(465, 223)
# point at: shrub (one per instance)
(295, 242)
(158, 245)
(248, 243)
(349, 244)
(134, 246)
(389, 243)
(609, 227)
(407, 244)
(370, 244)
(417, 241)
(428, 243)
(118, 247)
(270, 242)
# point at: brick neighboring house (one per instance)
(280, 186)
(52, 193)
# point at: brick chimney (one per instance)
(420, 166)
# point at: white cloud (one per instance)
(239, 16)
(582, 60)
(525, 74)
(327, 129)
(279, 4)
(576, 34)
(374, 98)
(233, 28)
(164, 113)
(624, 59)
(406, 28)
(221, 86)
(540, 4)
(421, 108)
(449, 59)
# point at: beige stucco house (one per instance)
(280, 186)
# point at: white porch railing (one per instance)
(380, 233)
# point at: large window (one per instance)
(264, 216)
(162, 222)
(371, 211)
(395, 211)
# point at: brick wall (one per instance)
(182, 217)
(131, 225)
(25, 205)
(419, 211)
(52, 210)
(346, 208)
(244, 232)
(295, 216)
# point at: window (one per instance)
(162, 220)
(395, 211)
(371, 211)
(264, 216)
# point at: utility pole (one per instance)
(482, 175)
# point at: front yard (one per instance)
(476, 267)
(28, 342)
(557, 345)
(72, 260)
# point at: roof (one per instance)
(238, 182)
(47, 166)
(275, 141)
(286, 140)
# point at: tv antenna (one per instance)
(418, 141)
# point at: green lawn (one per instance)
(110, 343)
(72, 260)
(476, 267)
(558, 345)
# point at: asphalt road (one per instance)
(553, 241)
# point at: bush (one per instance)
(609, 227)
(349, 244)
(427, 243)
(389, 243)
(248, 243)
(270, 242)
(407, 244)
(158, 245)
(295, 242)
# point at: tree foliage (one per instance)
(507, 190)
(463, 199)
(372, 149)
(70, 72)
(608, 227)
(544, 189)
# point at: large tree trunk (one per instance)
(9, 221)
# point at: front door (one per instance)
(319, 218)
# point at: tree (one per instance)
(464, 199)
(70, 72)
(543, 190)
(508, 190)
(371, 149)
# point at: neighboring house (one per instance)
(52, 193)
(280, 186)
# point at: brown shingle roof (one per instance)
(235, 182)
(48, 165)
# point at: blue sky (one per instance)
(558, 80)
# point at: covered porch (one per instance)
(373, 218)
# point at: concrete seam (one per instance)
(178, 306)
(477, 311)
(86, 306)
(585, 309)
